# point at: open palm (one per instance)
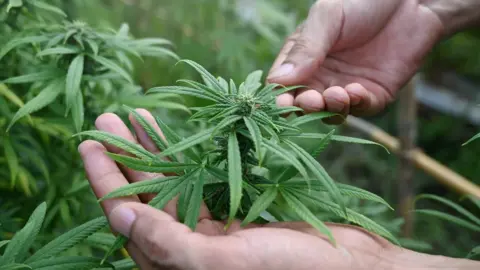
(158, 240)
(353, 56)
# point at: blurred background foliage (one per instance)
(230, 39)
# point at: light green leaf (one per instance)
(227, 122)
(47, 7)
(474, 252)
(452, 205)
(347, 190)
(319, 173)
(311, 117)
(68, 239)
(472, 139)
(447, 217)
(304, 213)
(78, 112)
(14, 4)
(12, 159)
(10, 95)
(252, 82)
(286, 155)
(36, 218)
(256, 136)
(111, 65)
(195, 201)
(152, 41)
(125, 264)
(23, 239)
(336, 138)
(58, 50)
(46, 96)
(233, 87)
(69, 263)
(351, 215)
(172, 138)
(147, 186)
(93, 46)
(74, 78)
(13, 43)
(323, 144)
(183, 90)
(34, 77)
(154, 165)
(208, 78)
(149, 129)
(188, 142)
(235, 178)
(260, 205)
(223, 83)
(170, 190)
(286, 110)
(3, 243)
(119, 142)
(15, 266)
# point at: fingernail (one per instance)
(121, 220)
(283, 70)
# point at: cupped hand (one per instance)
(354, 55)
(158, 241)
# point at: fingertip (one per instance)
(88, 146)
(360, 98)
(285, 100)
(336, 101)
(106, 120)
(310, 101)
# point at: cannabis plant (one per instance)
(468, 220)
(226, 164)
(18, 253)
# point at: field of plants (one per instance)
(201, 72)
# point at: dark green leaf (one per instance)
(208, 78)
(256, 136)
(452, 205)
(319, 173)
(154, 165)
(304, 213)
(78, 112)
(69, 263)
(147, 186)
(195, 201)
(286, 155)
(447, 217)
(260, 205)
(68, 240)
(188, 142)
(336, 138)
(235, 178)
(13, 43)
(472, 139)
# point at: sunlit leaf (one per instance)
(46, 96)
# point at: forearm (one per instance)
(456, 15)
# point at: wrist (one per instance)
(456, 15)
(407, 259)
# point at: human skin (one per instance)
(159, 241)
(353, 56)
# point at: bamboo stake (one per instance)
(422, 161)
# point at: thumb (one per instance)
(163, 240)
(310, 45)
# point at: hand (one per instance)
(158, 241)
(354, 55)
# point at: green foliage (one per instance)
(242, 126)
(17, 253)
(468, 220)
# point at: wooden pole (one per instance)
(438, 171)
(407, 133)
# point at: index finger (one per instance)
(103, 174)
